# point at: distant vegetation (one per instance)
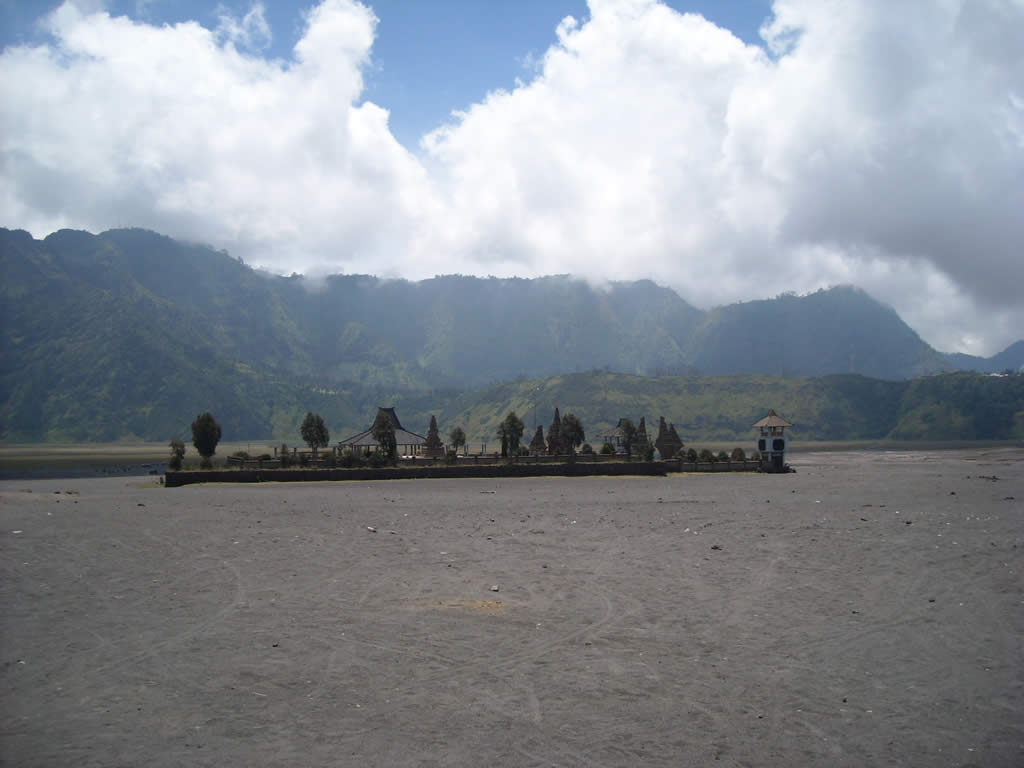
(128, 333)
(961, 406)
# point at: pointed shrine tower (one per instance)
(771, 442)
(433, 449)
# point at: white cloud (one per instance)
(251, 32)
(175, 129)
(873, 143)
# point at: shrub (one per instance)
(264, 457)
(738, 454)
(285, 458)
(450, 456)
(303, 459)
(607, 449)
(691, 455)
(329, 460)
(349, 460)
(587, 448)
(206, 463)
(706, 456)
(177, 454)
(649, 453)
(723, 456)
(377, 459)
(756, 455)
(240, 454)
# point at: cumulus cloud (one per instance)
(871, 143)
(177, 129)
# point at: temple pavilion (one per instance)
(407, 443)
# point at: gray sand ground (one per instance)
(868, 610)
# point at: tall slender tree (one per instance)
(513, 432)
(502, 433)
(206, 434)
(383, 431)
(572, 432)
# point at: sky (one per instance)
(731, 150)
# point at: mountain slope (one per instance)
(1010, 359)
(841, 330)
(961, 406)
(132, 333)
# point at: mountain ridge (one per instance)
(129, 331)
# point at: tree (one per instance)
(383, 431)
(205, 436)
(513, 432)
(691, 455)
(457, 438)
(628, 435)
(314, 431)
(572, 432)
(738, 454)
(177, 454)
(503, 437)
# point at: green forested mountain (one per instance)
(956, 406)
(838, 331)
(130, 333)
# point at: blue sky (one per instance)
(730, 150)
(430, 56)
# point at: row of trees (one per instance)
(708, 456)
(206, 434)
(566, 433)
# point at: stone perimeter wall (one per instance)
(652, 468)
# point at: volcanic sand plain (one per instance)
(866, 610)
